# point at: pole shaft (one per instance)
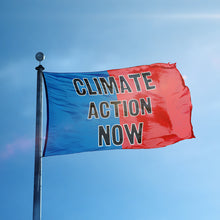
(38, 147)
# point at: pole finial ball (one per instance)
(39, 56)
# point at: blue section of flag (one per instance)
(68, 128)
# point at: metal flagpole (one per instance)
(38, 141)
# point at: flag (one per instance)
(146, 106)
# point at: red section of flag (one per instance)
(162, 89)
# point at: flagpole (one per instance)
(38, 141)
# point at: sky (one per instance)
(180, 181)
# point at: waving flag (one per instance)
(145, 106)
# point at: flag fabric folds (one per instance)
(145, 106)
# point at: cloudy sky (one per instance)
(180, 181)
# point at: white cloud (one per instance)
(19, 145)
(187, 16)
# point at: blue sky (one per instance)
(180, 181)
